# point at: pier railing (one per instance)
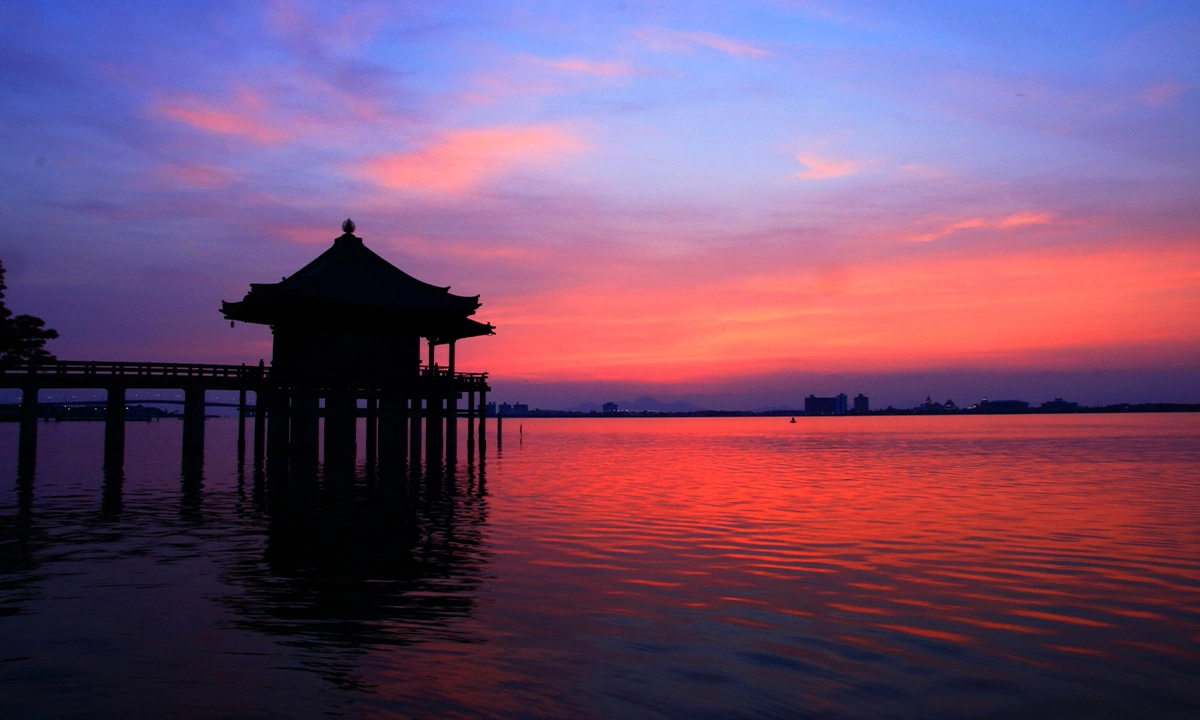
(84, 368)
(135, 369)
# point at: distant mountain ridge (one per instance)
(642, 404)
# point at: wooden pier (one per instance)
(425, 407)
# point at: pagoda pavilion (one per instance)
(348, 327)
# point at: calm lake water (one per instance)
(839, 567)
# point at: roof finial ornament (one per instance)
(348, 226)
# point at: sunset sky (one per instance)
(735, 204)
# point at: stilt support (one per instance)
(193, 422)
(114, 428)
(260, 424)
(27, 444)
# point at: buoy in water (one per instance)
(793, 419)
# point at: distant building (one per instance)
(609, 407)
(862, 404)
(814, 405)
(1060, 405)
(514, 409)
(930, 406)
(491, 409)
(1002, 406)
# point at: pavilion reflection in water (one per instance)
(354, 563)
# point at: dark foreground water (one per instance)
(838, 567)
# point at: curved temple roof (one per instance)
(349, 285)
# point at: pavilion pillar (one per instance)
(114, 428)
(400, 434)
(241, 443)
(305, 424)
(27, 444)
(193, 421)
(414, 434)
(470, 426)
(340, 410)
(434, 418)
(260, 423)
(277, 426)
(387, 433)
(451, 410)
(482, 423)
(452, 428)
(372, 430)
(332, 420)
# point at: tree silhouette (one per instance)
(22, 337)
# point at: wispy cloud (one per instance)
(198, 176)
(242, 117)
(1163, 93)
(1015, 220)
(591, 67)
(341, 31)
(666, 40)
(825, 168)
(925, 172)
(461, 159)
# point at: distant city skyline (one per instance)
(728, 205)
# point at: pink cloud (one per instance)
(461, 159)
(591, 67)
(1015, 220)
(240, 118)
(822, 169)
(666, 40)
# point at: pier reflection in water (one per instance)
(838, 567)
(233, 571)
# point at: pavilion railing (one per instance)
(443, 373)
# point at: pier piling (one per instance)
(193, 421)
(241, 424)
(114, 428)
(27, 444)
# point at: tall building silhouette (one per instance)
(814, 405)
